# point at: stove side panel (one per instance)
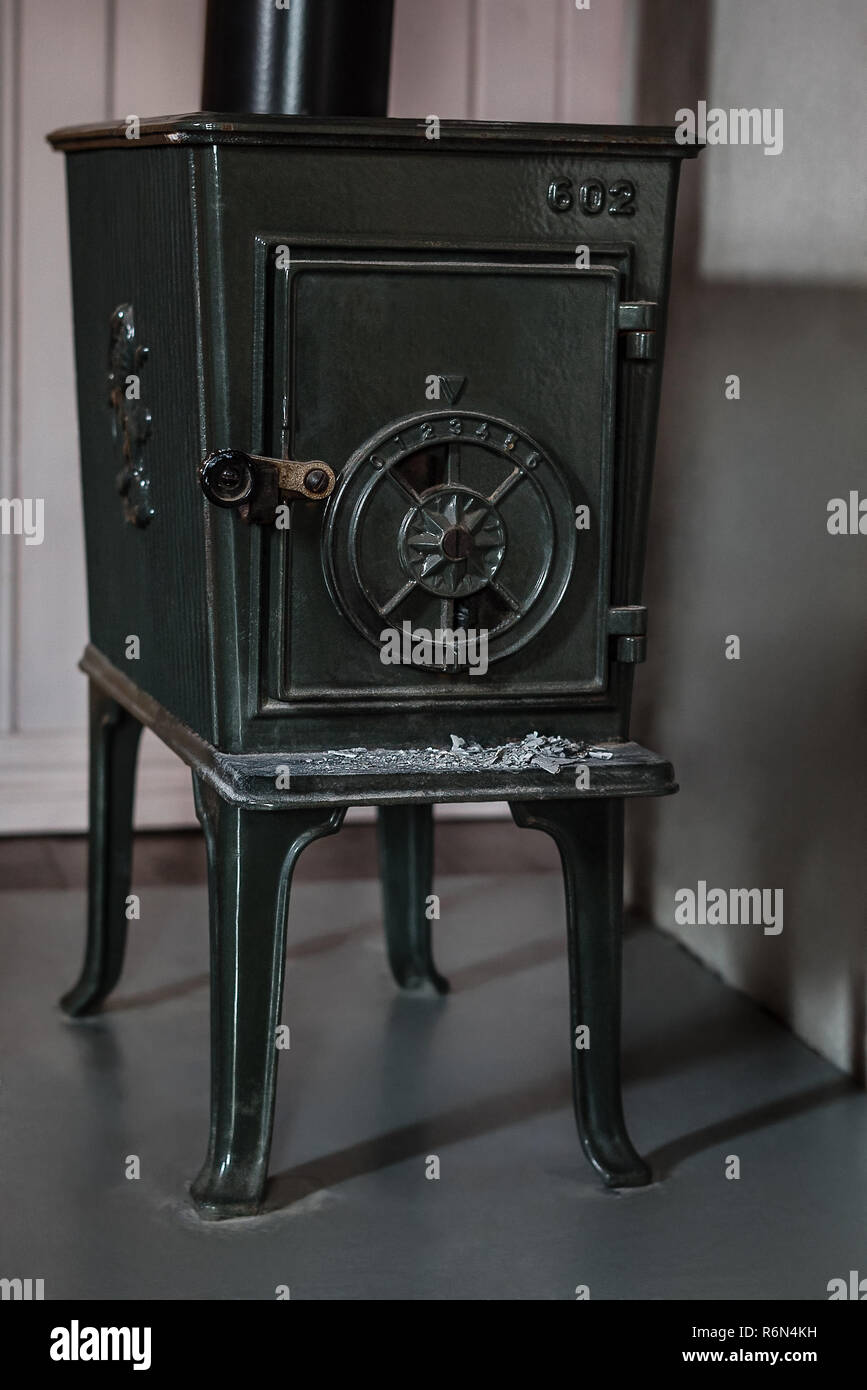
(132, 245)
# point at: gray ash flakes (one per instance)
(549, 752)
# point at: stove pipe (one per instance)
(306, 58)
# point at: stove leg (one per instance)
(589, 836)
(251, 856)
(406, 870)
(114, 739)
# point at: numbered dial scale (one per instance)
(451, 520)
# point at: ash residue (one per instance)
(551, 753)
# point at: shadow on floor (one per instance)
(516, 1107)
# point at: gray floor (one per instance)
(375, 1083)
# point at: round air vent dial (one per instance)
(450, 520)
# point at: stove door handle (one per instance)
(256, 486)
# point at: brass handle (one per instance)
(256, 486)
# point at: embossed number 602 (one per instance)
(592, 197)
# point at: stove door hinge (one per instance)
(629, 626)
(637, 323)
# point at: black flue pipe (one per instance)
(307, 58)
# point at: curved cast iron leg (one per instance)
(406, 870)
(589, 836)
(114, 739)
(251, 856)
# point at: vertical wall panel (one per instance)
(158, 57)
(798, 215)
(432, 59)
(10, 11)
(594, 53)
(768, 749)
(517, 66)
(63, 80)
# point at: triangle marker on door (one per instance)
(453, 388)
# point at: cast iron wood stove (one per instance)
(339, 380)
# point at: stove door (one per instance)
(468, 410)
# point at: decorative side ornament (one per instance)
(131, 422)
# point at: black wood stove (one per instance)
(367, 414)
